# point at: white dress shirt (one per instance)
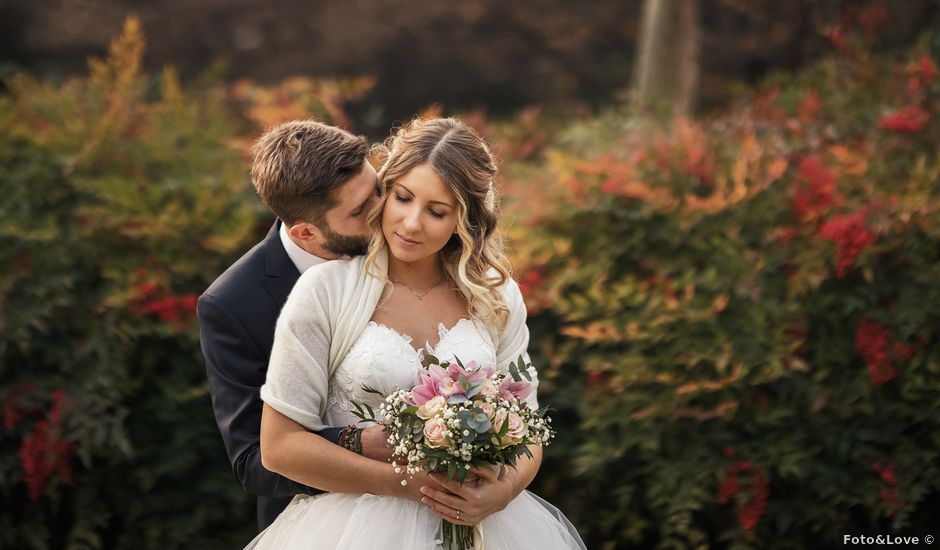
(301, 258)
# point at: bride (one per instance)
(435, 280)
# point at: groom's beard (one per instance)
(344, 245)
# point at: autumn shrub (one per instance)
(735, 317)
(123, 197)
(738, 317)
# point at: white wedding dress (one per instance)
(384, 359)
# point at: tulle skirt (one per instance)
(370, 522)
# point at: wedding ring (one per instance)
(458, 515)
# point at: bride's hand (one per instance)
(490, 492)
(412, 489)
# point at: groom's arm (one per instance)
(236, 370)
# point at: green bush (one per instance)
(738, 317)
(123, 197)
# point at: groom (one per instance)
(317, 181)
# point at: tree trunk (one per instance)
(667, 65)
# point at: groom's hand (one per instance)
(375, 444)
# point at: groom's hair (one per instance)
(297, 167)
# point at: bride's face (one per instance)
(420, 215)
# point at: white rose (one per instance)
(490, 389)
(431, 407)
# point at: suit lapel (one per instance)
(281, 273)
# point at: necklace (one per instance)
(419, 295)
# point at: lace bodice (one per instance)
(384, 359)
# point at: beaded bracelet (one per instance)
(350, 438)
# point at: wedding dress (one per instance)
(385, 360)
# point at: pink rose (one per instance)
(499, 418)
(434, 432)
(490, 411)
(517, 428)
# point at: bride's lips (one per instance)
(404, 241)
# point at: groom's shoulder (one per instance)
(232, 284)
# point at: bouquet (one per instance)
(458, 417)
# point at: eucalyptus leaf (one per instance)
(504, 429)
(524, 368)
(475, 388)
(514, 372)
(457, 399)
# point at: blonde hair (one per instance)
(473, 259)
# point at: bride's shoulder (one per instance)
(509, 288)
(333, 274)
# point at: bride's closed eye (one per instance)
(404, 199)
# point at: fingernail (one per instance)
(424, 501)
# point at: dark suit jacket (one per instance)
(237, 316)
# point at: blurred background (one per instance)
(724, 216)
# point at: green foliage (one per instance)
(123, 196)
(738, 318)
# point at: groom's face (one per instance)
(345, 230)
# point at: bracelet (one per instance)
(350, 438)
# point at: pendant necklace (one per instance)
(420, 296)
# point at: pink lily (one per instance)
(509, 389)
(428, 384)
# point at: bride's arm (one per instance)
(522, 475)
(296, 393)
(287, 448)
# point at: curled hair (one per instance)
(473, 259)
